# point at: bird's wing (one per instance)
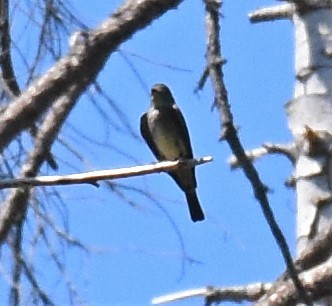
(185, 178)
(145, 132)
(182, 129)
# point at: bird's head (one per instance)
(161, 96)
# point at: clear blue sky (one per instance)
(138, 253)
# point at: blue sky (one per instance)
(148, 249)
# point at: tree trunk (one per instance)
(310, 120)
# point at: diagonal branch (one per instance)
(86, 58)
(229, 133)
(316, 252)
(65, 82)
(9, 79)
(15, 206)
(35, 284)
(317, 281)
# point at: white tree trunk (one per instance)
(310, 120)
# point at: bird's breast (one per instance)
(165, 135)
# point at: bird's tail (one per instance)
(195, 209)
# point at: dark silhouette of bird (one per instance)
(165, 131)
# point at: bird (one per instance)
(164, 129)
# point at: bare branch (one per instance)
(317, 251)
(317, 282)
(65, 82)
(16, 247)
(35, 284)
(288, 150)
(202, 80)
(80, 67)
(95, 176)
(154, 62)
(237, 294)
(60, 266)
(229, 133)
(15, 206)
(304, 6)
(63, 234)
(276, 12)
(8, 75)
(212, 295)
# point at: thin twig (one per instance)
(202, 80)
(35, 285)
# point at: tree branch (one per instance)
(317, 282)
(9, 79)
(80, 67)
(229, 133)
(288, 150)
(95, 176)
(15, 206)
(11, 86)
(304, 6)
(212, 295)
(276, 12)
(16, 246)
(35, 284)
(316, 252)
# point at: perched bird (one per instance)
(164, 130)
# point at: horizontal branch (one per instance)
(181, 295)
(277, 12)
(94, 176)
(251, 293)
(288, 150)
(317, 282)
